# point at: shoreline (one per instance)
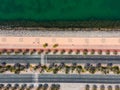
(86, 25)
(58, 29)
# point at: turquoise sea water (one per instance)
(59, 9)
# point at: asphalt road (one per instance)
(83, 59)
(60, 58)
(20, 58)
(49, 78)
(13, 78)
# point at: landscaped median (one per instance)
(61, 68)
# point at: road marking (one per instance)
(42, 59)
(45, 59)
(36, 79)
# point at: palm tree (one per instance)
(116, 69)
(55, 51)
(87, 66)
(27, 66)
(32, 52)
(8, 67)
(73, 67)
(16, 86)
(57, 86)
(85, 52)
(11, 68)
(36, 67)
(3, 64)
(40, 51)
(109, 87)
(39, 87)
(99, 52)
(26, 51)
(8, 86)
(62, 51)
(79, 69)
(11, 50)
(115, 52)
(53, 87)
(18, 67)
(92, 51)
(1, 86)
(67, 69)
(77, 51)
(17, 71)
(2, 69)
(98, 66)
(45, 86)
(70, 51)
(92, 70)
(104, 70)
(109, 66)
(30, 87)
(94, 87)
(4, 51)
(55, 71)
(44, 67)
(23, 86)
(49, 69)
(0, 52)
(17, 51)
(48, 51)
(117, 87)
(22, 67)
(108, 52)
(61, 65)
(87, 87)
(102, 87)
(42, 70)
(74, 64)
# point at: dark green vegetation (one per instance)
(60, 13)
(17, 68)
(30, 87)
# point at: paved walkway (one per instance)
(63, 42)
